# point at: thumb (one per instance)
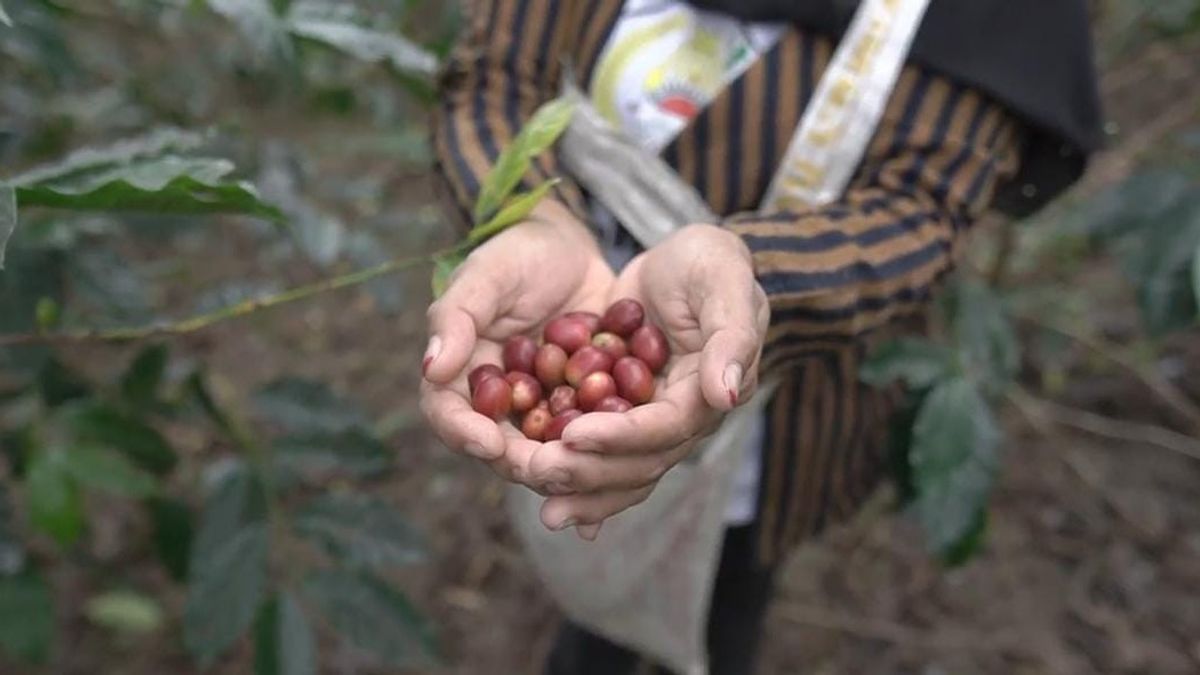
(733, 330)
(468, 307)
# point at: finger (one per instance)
(565, 471)
(589, 532)
(468, 307)
(459, 427)
(559, 513)
(730, 323)
(518, 455)
(678, 414)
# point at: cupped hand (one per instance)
(512, 284)
(699, 287)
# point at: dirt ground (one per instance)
(1092, 566)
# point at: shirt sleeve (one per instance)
(837, 273)
(505, 65)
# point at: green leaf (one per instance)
(317, 456)
(8, 210)
(173, 531)
(228, 567)
(196, 386)
(53, 498)
(140, 383)
(99, 424)
(969, 544)
(1137, 203)
(953, 461)
(164, 185)
(47, 314)
(372, 616)
(919, 363)
(322, 23)
(542, 130)
(443, 270)
(360, 531)
(259, 22)
(284, 643)
(985, 336)
(59, 384)
(107, 471)
(300, 406)
(125, 612)
(26, 617)
(513, 212)
(7, 21)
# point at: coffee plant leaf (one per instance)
(228, 567)
(372, 616)
(316, 457)
(26, 617)
(514, 211)
(983, 332)
(173, 529)
(301, 405)
(953, 460)
(96, 423)
(260, 22)
(542, 130)
(8, 215)
(917, 362)
(360, 531)
(141, 382)
(284, 643)
(321, 22)
(161, 185)
(53, 498)
(4, 17)
(125, 612)
(58, 384)
(107, 471)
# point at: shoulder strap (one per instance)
(841, 119)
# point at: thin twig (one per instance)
(1040, 410)
(234, 311)
(1160, 386)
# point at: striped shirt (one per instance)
(839, 278)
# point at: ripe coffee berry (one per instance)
(519, 352)
(586, 363)
(482, 373)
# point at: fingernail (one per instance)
(431, 353)
(474, 450)
(558, 489)
(569, 522)
(581, 445)
(733, 381)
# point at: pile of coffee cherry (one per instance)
(586, 363)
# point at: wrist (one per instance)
(556, 217)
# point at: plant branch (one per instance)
(1174, 397)
(1039, 411)
(234, 311)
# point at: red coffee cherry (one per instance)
(614, 404)
(584, 362)
(592, 321)
(535, 424)
(570, 334)
(526, 391)
(554, 430)
(635, 382)
(562, 399)
(482, 373)
(549, 364)
(623, 317)
(649, 344)
(611, 344)
(493, 398)
(519, 352)
(595, 388)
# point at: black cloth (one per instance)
(1034, 56)
(741, 594)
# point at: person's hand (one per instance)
(510, 285)
(699, 287)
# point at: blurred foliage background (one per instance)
(260, 496)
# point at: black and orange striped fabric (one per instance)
(838, 277)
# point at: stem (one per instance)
(234, 311)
